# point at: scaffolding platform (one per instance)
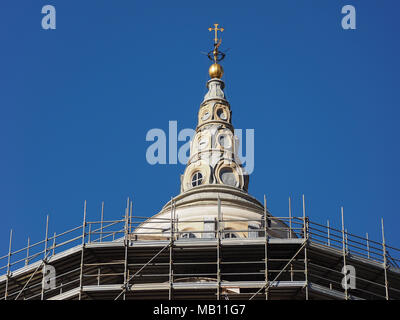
(108, 260)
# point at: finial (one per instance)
(216, 70)
(216, 29)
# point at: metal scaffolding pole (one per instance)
(291, 272)
(126, 243)
(82, 252)
(27, 252)
(130, 219)
(328, 232)
(46, 237)
(8, 266)
(385, 264)
(266, 249)
(101, 221)
(218, 249)
(45, 254)
(290, 218)
(344, 256)
(54, 244)
(305, 232)
(290, 234)
(171, 250)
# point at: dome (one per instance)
(196, 214)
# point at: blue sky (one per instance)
(76, 104)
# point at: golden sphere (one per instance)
(216, 71)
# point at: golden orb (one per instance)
(216, 71)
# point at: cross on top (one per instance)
(216, 29)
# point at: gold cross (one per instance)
(216, 29)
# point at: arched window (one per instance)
(197, 179)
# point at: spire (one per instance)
(214, 148)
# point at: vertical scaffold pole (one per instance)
(130, 219)
(344, 256)
(89, 232)
(305, 232)
(27, 252)
(175, 234)
(329, 232)
(290, 234)
(46, 238)
(126, 243)
(171, 248)
(8, 265)
(45, 255)
(101, 221)
(290, 218)
(367, 244)
(291, 272)
(218, 249)
(54, 244)
(266, 248)
(82, 252)
(385, 265)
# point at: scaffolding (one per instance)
(107, 259)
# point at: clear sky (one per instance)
(76, 104)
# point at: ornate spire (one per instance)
(214, 148)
